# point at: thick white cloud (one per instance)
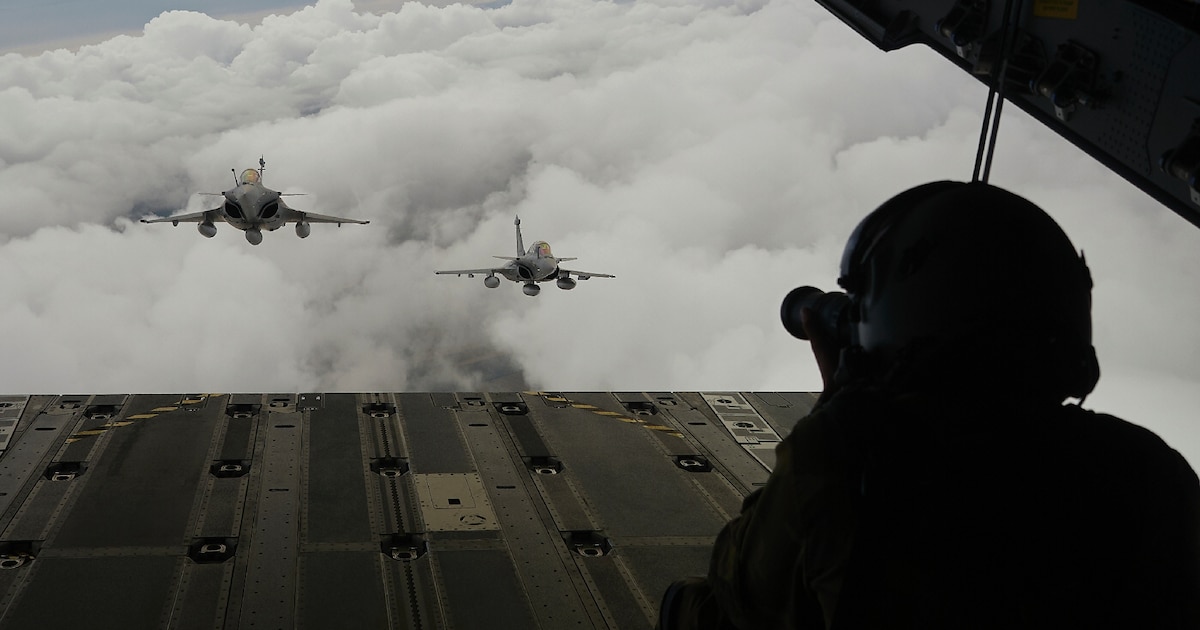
(712, 155)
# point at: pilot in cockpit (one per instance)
(250, 176)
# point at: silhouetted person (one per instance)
(941, 481)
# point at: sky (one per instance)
(712, 154)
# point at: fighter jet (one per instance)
(252, 208)
(530, 267)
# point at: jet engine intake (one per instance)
(208, 230)
(491, 282)
(254, 236)
(531, 289)
(525, 273)
(566, 283)
(303, 229)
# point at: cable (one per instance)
(995, 98)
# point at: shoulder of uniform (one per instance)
(1123, 443)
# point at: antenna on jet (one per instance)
(520, 241)
(262, 166)
(235, 179)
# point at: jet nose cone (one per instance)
(245, 208)
(251, 201)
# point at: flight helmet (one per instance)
(953, 283)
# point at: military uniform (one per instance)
(924, 511)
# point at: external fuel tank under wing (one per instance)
(252, 208)
(537, 264)
(1119, 79)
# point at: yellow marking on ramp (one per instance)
(609, 414)
(165, 409)
(75, 437)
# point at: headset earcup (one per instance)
(1087, 373)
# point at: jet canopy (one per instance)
(250, 176)
(541, 249)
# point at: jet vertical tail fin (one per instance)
(520, 242)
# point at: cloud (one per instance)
(711, 154)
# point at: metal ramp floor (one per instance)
(405, 510)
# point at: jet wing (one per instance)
(195, 217)
(583, 275)
(472, 272)
(297, 216)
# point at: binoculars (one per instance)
(828, 309)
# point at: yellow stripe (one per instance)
(608, 414)
(141, 416)
(165, 409)
(90, 433)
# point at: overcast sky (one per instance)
(712, 155)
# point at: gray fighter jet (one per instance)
(252, 208)
(530, 267)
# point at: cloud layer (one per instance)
(711, 154)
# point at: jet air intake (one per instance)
(208, 230)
